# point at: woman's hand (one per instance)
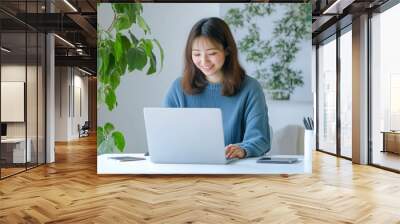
(234, 151)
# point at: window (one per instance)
(346, 93)
(385, 89)
(327, 96)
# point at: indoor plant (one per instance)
(120, 50)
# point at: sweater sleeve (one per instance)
(256, 140)
(172, 97)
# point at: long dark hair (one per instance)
(194, 81)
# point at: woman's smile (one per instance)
(207, 68)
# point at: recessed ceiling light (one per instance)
(337, 7)
(64, 40)
(5, 49)
(84, 71)
(70, 5)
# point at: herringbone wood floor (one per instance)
(70, 191)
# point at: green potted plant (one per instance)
(119, 50)
(278, 78)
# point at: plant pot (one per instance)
(280, 95)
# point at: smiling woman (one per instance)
(213, 78)
(211, 56)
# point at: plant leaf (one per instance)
(152, 68)
(161, 52)
(102, 60)
(148, 46)
(125, 15)
(111, 99)
(119, 140)
(122, 22)
(100, 135)
(143, 25)
(126, 43)
(133, 39)
(114, 80)
(106, 146)
(136, 59)
(108, 128)
(122, 65)
(118, 48)
(118, 7)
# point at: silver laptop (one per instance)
(185, 135)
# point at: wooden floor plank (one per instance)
(70, 191)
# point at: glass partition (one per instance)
(22, 77)
(385, 89)
(327, 96)
(13, 107)
(346, 94)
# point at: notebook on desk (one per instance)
(185, 135)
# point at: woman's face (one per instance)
(209, 58)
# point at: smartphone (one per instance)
(280, 160)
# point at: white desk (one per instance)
(19, 149)
(105, 165)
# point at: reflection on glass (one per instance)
(327, 97)
(395, 102)
(346, 94)
(22, 90)
(13, 85)
(386, 88)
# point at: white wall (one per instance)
(16, 73)
(67, 81)
(82, 83)
(33, 126)
(61, 103)
(170, 24)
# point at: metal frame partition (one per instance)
(340, 30)
(43, 54)
(338, 33)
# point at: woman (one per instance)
(213, 78)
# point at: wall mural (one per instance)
(280, 48)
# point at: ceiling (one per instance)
(72, 20)
(332, 15)
(75, 21)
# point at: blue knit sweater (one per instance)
(244, 115)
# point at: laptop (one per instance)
(185, 135)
